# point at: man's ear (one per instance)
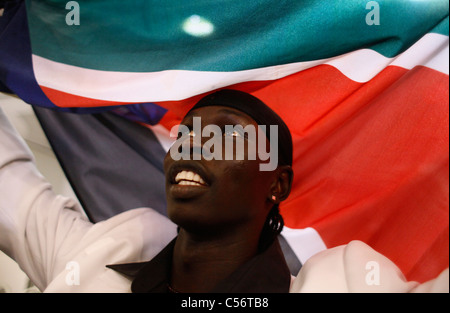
(281, 186)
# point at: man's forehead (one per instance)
(219, 111)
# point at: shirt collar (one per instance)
(267, 272)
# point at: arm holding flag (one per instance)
(356, 267)
(34, 222)
(46, 234)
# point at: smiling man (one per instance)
(226, 207)
(223, 210)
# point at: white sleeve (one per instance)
(34, 222)
(438, 285)
(356, 267)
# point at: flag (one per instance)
(363, 87)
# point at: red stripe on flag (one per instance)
(66, 100)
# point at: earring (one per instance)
(274, 198)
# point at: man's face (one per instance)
(216, 195)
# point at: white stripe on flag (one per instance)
(172, 85)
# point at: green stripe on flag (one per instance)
(224, 35)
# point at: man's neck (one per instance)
(199, 264)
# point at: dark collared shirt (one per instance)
(267, 272)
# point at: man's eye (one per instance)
(233, 132)
(183, 132)
(230, 133)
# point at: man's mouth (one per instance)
(188, 181)
(189, 178)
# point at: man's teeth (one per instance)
(189, 178)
